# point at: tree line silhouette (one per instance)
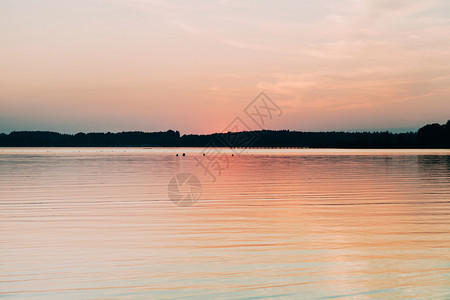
(429, 136)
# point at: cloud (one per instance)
(337, 55)
(357, 88)
(376, 9)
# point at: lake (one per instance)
(89, 223)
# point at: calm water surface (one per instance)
(288, 224)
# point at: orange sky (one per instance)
(113, 65)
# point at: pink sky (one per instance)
(113, 65)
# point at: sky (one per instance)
(193, 66)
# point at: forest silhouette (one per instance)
(429, 136)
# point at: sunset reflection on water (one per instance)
(289, 223)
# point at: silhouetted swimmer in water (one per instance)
(203, 154)
(177, 154)
(184, 154)
(232, 154)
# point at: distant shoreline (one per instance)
(431, 136)
(225, 147)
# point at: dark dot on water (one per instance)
(184, 154)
